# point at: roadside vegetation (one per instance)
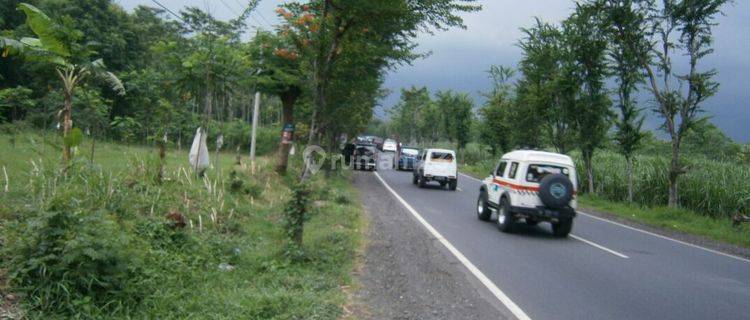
(101, 213)
(575, 91)
(108, 240)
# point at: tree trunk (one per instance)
(288, 99)
(93, 146)
(587, 156)
(311, 137)
(67, 125)
(629, 160)
(675, 171)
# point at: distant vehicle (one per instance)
(390, 145)
(407, 159)
(436, 165)
(378, 142)
(365, 157)
(532, 186)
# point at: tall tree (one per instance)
(495, 128)
(679, 27)
(457, 114)
(625, 20)
(407, 114)
(586, 67)
(391, 24)
(280, 74)
(545, 96)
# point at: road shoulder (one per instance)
(691, 239)
(406, 273)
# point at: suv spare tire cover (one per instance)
(556, 190)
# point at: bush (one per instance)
(71, 261)
(242, 183)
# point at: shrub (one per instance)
(73, 261)
(295, 215)
(242, 183)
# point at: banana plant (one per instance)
(50, 46)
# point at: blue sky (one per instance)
(460, 58)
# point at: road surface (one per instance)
(603, 271)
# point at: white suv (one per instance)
(532, 186)
(436, 165)
(390, 145)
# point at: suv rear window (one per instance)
(410, 151)
(365, 151)
(537, 172)
(441, 157)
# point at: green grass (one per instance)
(169, 274)
(673, 219)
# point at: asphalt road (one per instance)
(603, 271)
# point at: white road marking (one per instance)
(591, 243)
(459, 189)
(502, 297)
(650, 233)
(666, 238)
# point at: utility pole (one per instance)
(256, 111)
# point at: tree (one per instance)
(407, 114)
(14, 101)
(545, 96)
(585, 71)
(494, 127)
(324, 26)
(280, 74)
(625, 23)
(679, 28)
(58, 48)
(457, 113)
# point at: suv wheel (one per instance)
(452, 185)
(562, 229)
(483, 211)
(422, 182)
(505, 218)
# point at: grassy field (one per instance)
(96, 243)
(682, 220)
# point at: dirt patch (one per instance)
(406, 273)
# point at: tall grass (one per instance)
(710, 188)
(98, 242)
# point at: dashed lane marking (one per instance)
(593, 244)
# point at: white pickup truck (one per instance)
(436, 165)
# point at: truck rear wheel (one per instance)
(452, 185)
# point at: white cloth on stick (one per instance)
(199, 151)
